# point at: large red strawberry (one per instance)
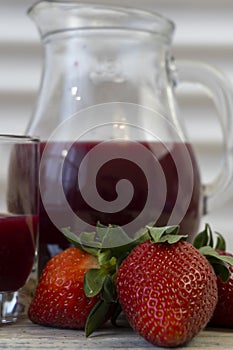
(167, 291)
(60, 300)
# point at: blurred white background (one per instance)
(204, 32)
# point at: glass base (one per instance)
(8, 307)
(14, 305)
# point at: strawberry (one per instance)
(166, 286)
(60, 300)
(167, 289)
(223, 313)
(76, 288)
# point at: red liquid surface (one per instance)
(17, 249)
(166, 158)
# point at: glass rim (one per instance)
(18, 138)
(80, 15)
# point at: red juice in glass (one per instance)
(19, 218)
(18, 235)
(168, 157)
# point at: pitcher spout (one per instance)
(57, 16)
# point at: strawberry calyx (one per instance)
(102, 280)
(167, 234)
(204, 242)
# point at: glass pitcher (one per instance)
(114, 147)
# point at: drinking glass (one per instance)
(19, 159)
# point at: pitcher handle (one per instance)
(221, 92)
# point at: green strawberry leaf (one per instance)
(171, 239)
(211, 252)
(109, 290)
(220, 244)
(201, 239)
(205, 244)
(115, 236)
(165, 234)
(104, 256)
(210, 235)
(221, 270)
(97, 316)
(92, 251)
(94, 281)
(218, 262)
(72, 237)
(143, 235)
(204, 238)
(79, 242)
(88, 240)
(101, 230)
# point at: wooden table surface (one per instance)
(25, 335)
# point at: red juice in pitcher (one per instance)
(18, 235)
(160, 164)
